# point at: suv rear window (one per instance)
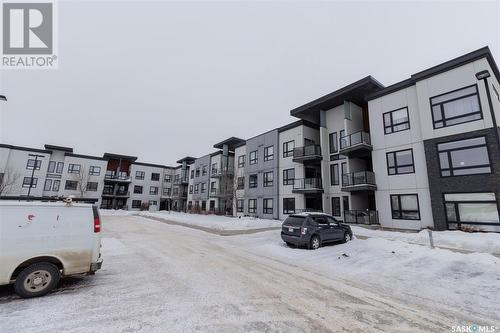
(295, 220)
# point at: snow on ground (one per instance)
(477, 241)
(115, 212)
(215, 222)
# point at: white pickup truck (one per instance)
(42, 241)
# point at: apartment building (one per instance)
(181, 184)
(151, 184)
(199, 180)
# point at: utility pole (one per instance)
(36, 156)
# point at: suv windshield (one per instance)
(295, 220)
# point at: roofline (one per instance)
(483, 52)
(54, 147)
(86, 156)
(220, 145)
(110, 156)
(187, 159)
(36, 150)
(153, 165)
(300, 122)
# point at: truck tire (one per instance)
(37, 280)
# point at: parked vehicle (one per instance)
(43, 241)
(313, 230)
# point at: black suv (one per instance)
(313, 230)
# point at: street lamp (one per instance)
(484, 75)
(36, 156)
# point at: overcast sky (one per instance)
(162, 80)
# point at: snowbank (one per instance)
(115, 212)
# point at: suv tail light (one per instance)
(303, 231)
(97, 220)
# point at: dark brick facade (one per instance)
(460, 184)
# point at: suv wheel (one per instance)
(37, 280)
(347, 237)
(315, 243)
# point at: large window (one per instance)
(196, 188)
(31, 164)
(336, 206)
(268, 206)
(269, 153)
(92, 186)
(94, 170)
(153, 190)
(288, 205)
(60, 167)
(27, 182)
(136, 203)
(268, 179)
(456, 107)
(240, 205)
(333, 142)
(252, 181)
(137, 189)
(405, 207)
(48, 185)
(71, 185)
(241, 183)
(168, 178)
(396, 121)
(204, 170)
(464, 157)
(74, 168)
(334, 174)
(241, 161)
(288, 148)
(400, 162)
(55, 185)
(252, 205)
(288, 176)
(203, 187)
(52, 167)
(471, 208)
(253, 157)
(155, 176)
(139, 175)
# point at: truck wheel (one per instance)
(315, 243)
(37, 280)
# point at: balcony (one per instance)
(218, 173)
(181, 180)
(357, 144)
(118, 194)
(311, 153)
(221, 193)
(358, 181)
(180, 195)
(361, 216)
(121, 177)
(307, 185)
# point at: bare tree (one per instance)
(7, 180)
(83, 179)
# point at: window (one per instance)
(456, 107)
(213, 189)
(71, 185)
(136, 203)
(92, 186)
(253, 157)
(155, 176)
(203, 187)
(288, 176)
(168, 178)
(241, 183)
(192, 174)
(268, 179)
(190, 189)
(252, 181)
(334, 174)
(153, 190)
(214, 169)
(74, 168)
(204, 170)
(140, 175)
(396, 121)
(471, 208)
(176, 190)
(167, 191)
(60, 167)
(400, 162)
(240, 205)
(405, 207)
(241, 161)
(288, 205)
(464, 157)
(252, 205)
(336, 206)
(197, 172)
(48, 185)
(343, 169)
(94, 170)
(52, 167)
(55, 185)
(137, 189)
(31, 164)
(269, 153)
(152, 203)
(268, 206)
(196, 188)
(333, 142)
(27, 180)
(288, 148)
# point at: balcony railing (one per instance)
(117, 194)
(361, 216)
(118, 177)
(307, 153)
(226, 172)
(360, 180)
(307, 185)
(181, 180)
(215, 192)
(356, 141)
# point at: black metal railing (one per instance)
(307, 151)
(308, 184)
(358, 178)
(216, 192)
(355, 139)
(225, 172)
(361, 216)
(117, 176)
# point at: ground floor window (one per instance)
(153, 203)
(405, 207)
(203, 204)
(136, 203)
(92, 186)
(240, 206)
(252, 205)
(336, 206)
(288, 205)
(268, 206)
(71, 185)
(27, 182)
(471, 208)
